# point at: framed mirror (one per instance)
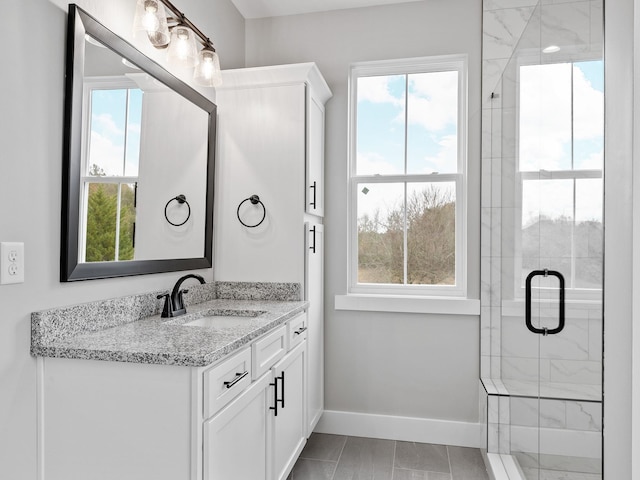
(138, 165)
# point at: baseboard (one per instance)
(409, 429)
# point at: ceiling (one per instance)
(278, 8)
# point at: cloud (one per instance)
(545, 124)
(106, 154)
(371, 163)
(376, 90)
(433, 100)
(106, 125)
(445, 158)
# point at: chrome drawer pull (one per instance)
(239, 376)
(299, 331)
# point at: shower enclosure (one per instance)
(542, 238)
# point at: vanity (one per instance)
(232, 389)
(218, 393)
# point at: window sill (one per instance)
(407, 304)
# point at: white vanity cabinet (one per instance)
(105, 420)
(271, 144)
(289, 421)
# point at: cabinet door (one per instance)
(289, 423)
(314, 281)
(315, 156)
(236, 440)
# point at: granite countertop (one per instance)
(122, 329)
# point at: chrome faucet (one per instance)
(174, 303)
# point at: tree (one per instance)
(430, 238)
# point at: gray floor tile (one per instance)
(402, 474)
(306, 469)
(365, 459)
(422, 456)
(322, 446)
(467, 464)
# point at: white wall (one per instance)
(619, 242)
(384, 363)
(31, 106)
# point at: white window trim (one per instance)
(90, 84)
(394, 296)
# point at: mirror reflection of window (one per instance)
(112, 161)
(560, 158)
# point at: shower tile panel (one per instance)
(595, 335)
(493, 438)
(496, 235)
(567, 25)
(584, 416)
(508, 139)
(581, 372)
(499, 4)
(533, 412)
(570, 344)
(485, 331)
(485, 196)
(491, 72)
(496, 367)
(493, 409)
(502, 30)
(485, 282)
(504, 439)
(496, 133)
(528, 369)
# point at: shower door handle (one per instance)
(544, 331)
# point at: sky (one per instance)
(109, 128)
(546, 137)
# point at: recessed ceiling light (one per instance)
(551, 49)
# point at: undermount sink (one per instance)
(222, 318)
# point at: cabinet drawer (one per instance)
(297, 330)
(268, 350)
(225, 381)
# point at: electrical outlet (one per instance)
(11, 262)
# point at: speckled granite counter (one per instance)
(129, 329)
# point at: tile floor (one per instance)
(336, 457)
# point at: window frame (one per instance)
(458, 63)
(90, 84)
(572, 293)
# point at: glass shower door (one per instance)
(553, 370)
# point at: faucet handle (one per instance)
(178, 305)
(167, 311)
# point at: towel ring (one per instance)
(180, 199)
(254, 199)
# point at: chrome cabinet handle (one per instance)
(300, 330)
(239, 376)
(544, 331)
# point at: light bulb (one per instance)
(150, 22)
(182, 48)
(207, 73)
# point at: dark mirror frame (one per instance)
(79, 24)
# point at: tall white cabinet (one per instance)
(271, 144)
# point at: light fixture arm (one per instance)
(180, 18)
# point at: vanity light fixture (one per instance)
(179, 36)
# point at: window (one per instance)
(560, 158)
(407, 177)
(110, 166)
